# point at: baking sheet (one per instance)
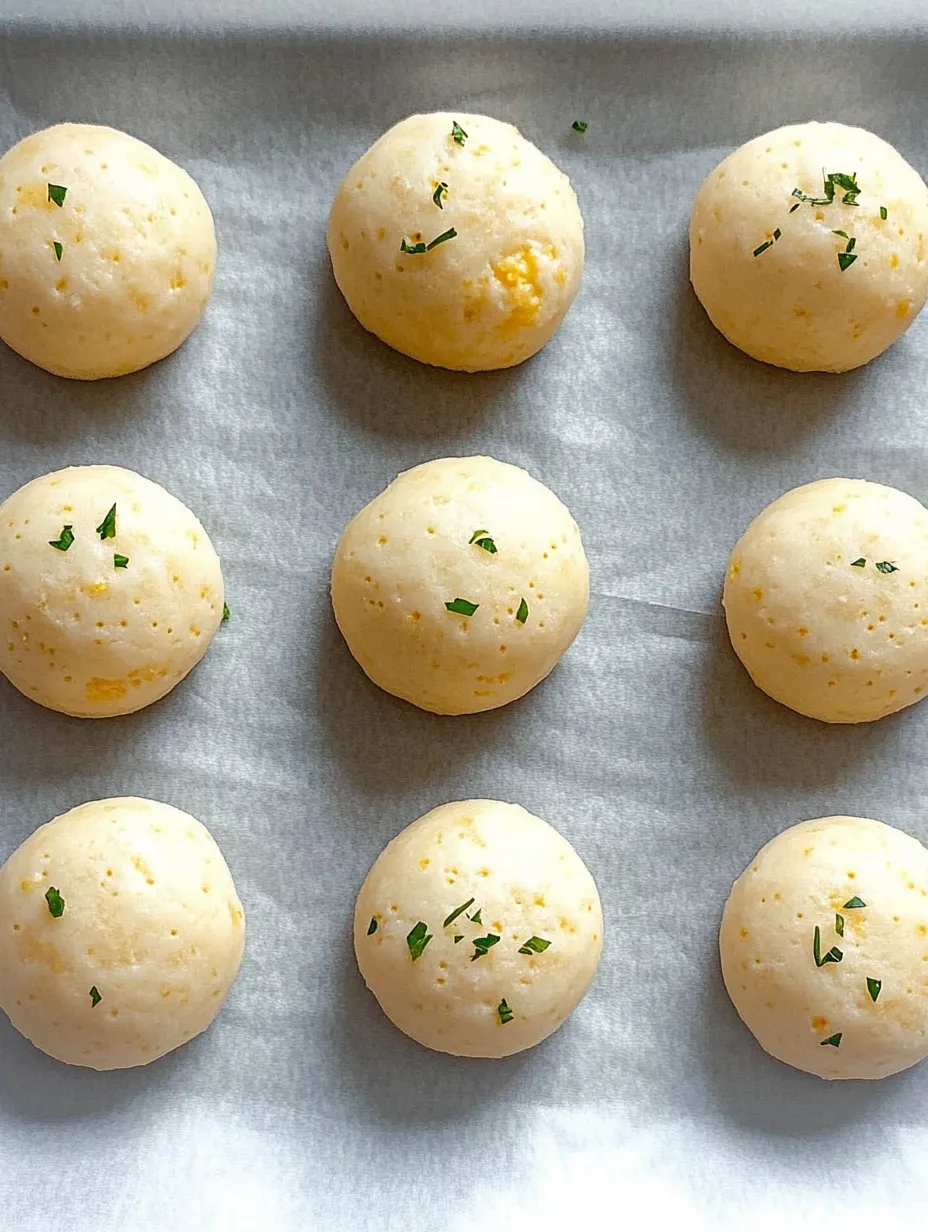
(648, 747)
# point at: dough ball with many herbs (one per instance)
(809, 247)
(120, 933)
(826, 599)
(478, 929)
(107, 252)
(460, 586)
(457, 242)
(110, 591)
(824, 947)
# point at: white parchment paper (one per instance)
(649, 748)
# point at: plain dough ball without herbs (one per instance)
(866, 1014)
(792, 304)
(79, 632)
(117, 275)
(469, 989)
(150, 921)
(826, 600)
(416, 547)
(495, 293)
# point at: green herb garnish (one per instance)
(835, 180)
(534, 945)
(833, 1040)
(458, 134)
(579, 126)
(482, 944)
(421, 247)
(859, 562)
(475, 918)
(458, 937)
(886, 566)
(440, 191)
(372, 927)
(225, 614)
(505, 1013)
(417, 939)
(57, 194)
(58, 249)
(55, 903)
(462, 607)
(794, 208)
(853, 903)
(522, 613)
(839, 925)
(846, 259)
(834, 955)
(456, 912)
(883, 212)
(763, 247)
(65, 540)
(120, 562)
(107, 528)
(483, 540)
(873, 988)
(95, 997)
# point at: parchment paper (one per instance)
(303, 1108)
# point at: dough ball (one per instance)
(826, 599)
(494, 293)
(483, 537)
(120, 933)
(479, 929)
(854, 1003)
(108, 251)
(96, 626)
(818, 282)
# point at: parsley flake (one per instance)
(225, 614)
(522, 613)
(440, 191)
(458, 937)
(853, 903)
(846, 260)
(482, 945)
(884, 214)
(873, 988)
(763, 247)
(859, 562)
(839, 925)
(534, 945)
(886, 566)
(55, 903)
(504, 1012)
(419, 248)
(834, 955)
(95, 997)
(794, 208)
(107, 528)
(482, 539)
(475, 918)
(456, 912)
(372, 927)
(120, 562)
(835, 180)
(833, 1040)
(579, 126)
(458, 135)
(417, 939)
(462, 607)
(64, 541)
(58, 249)
(57, 193)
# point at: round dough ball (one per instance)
(862, 1013)
(826, 600)
(108, 625)
(490, 540)
(497, 291)
(150, 921)
(840, 283)
(461, 984)
(118, 274)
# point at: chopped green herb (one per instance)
(851, 244)
(883, 212)
(853, 903)
(846, 260)
(579, 126)
(833, 181)
(475, 918)
(225, 614)
(372, 927)
(462, 607)
(873, 988)
(55, 903)
(65, 539)
(57, 194)
(440, 191)
(843, 234)
(107, 528)
(413, 249)
(777, 233)
(421, 247)
(794, 208)
(522, 613)
(120, 562)
(886, 566)
(839, 925)
(859, 562)
(483, 540)
(456, 912)
(833, 1040)
(58, 249)
(482, 945)
(534, 945)
(95, 997)
(417, 939)
(505, 1013)
(458, 937)
(763, 247)
(458, 135)
(834, 955)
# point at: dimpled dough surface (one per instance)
(138, 251)
(408, 553)
(80, 635)
(493, 295)
(831, 637)
(792, 305)
(151, 920)
(527, 882)
(802, 879)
